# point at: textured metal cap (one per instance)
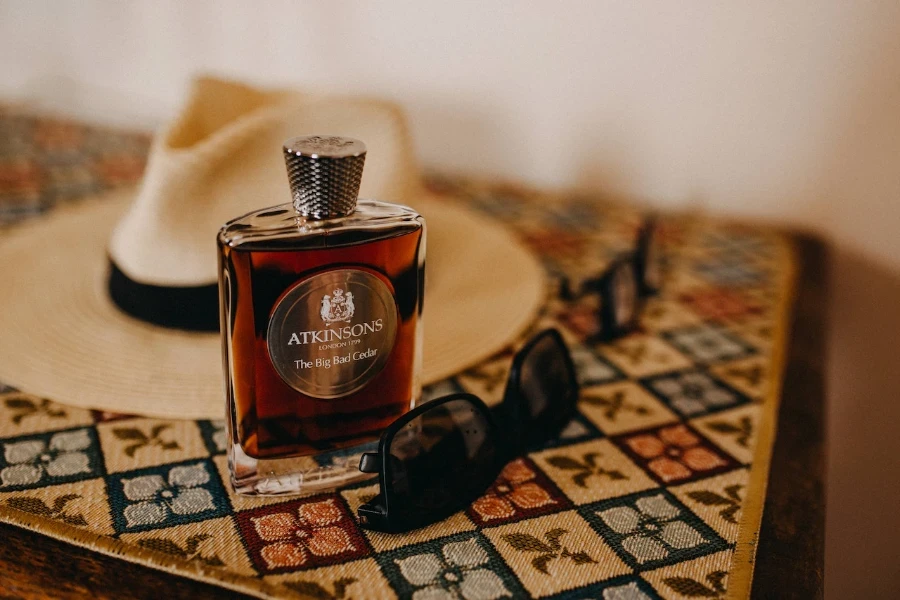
(324, 172)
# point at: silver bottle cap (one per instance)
(324, 172)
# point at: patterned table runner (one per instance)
(655, 489)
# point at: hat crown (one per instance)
(324, 173)
(219, 158)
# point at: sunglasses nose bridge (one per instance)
(369, 462)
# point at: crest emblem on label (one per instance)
(337, 307)
(332, 333)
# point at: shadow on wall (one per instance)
(863, 472)
(861, 180)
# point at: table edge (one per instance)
(790, 553)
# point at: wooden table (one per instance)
(789, 559)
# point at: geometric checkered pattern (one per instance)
(640, 497)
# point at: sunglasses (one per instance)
(624, 286)
(441, 456)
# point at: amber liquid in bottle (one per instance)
(274, 420)
(263, 257)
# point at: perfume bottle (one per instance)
(321, 320)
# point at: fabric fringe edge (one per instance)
(740, 577)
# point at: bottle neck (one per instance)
(315, 209)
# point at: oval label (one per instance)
(330, 334)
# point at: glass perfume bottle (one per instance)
(321, 309)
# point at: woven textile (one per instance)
(654, 490)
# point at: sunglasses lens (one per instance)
(624, 288)
(548, 384)
(441, 460)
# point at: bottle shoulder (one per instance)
(280, 227)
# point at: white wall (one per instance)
(760, 108)
(786, 111)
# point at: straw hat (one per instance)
(62, 336)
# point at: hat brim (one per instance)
(61, 336)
